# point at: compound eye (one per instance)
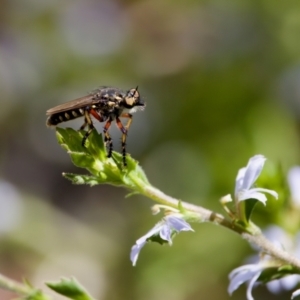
(132, 97)
(134, 93)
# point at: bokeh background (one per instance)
(221, 82)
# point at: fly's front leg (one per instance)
(124, 131)
(129, 116)
(107, 138)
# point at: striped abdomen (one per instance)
(64, 116)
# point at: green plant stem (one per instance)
(269, 248)
(205, 215)
(209, 216)
(14, 286)
(22, 289)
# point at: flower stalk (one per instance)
(178, 214)
(14, 286)
(269, 248)
(206, 215)
(22, 289)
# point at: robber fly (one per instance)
(105, 104)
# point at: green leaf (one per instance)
(180, 207)
(82, 179)
(70, 139)
(249, 205)
(93, 158)
(157, 239)
(274, 273)
(70, 288)
(36, 295)
(82, 160)
(131, 194)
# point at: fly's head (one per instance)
(133, 101)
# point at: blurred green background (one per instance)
(221, 82)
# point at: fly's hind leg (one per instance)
(91, 128)
(83, 125)
(88, 122)
(107, 139)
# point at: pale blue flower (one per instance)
(246, 178)
(251, 272)
(292, 244)
(286, 283)
(282, 239)
(169, 225)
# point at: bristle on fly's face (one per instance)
(137, 108)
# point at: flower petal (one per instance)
(135, 251)
(140, 243)
(244, 195)
(289, 282)
(262, 190)
(295, 294)
(250, 286)
(242, 274)
(155, 230)
(283, 284)
(274, 286)
(177, 223)
(253, 169)
(239, 180)
(166, 233)
(164, 228)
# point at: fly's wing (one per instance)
(75, 104)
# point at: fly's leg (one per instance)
(124, 131)
(107, 139)
(129, 116)
(88, 122)
(83, 125)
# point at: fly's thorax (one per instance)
(116, 112)
(108, 94)
(112, 98)
(112, 112)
